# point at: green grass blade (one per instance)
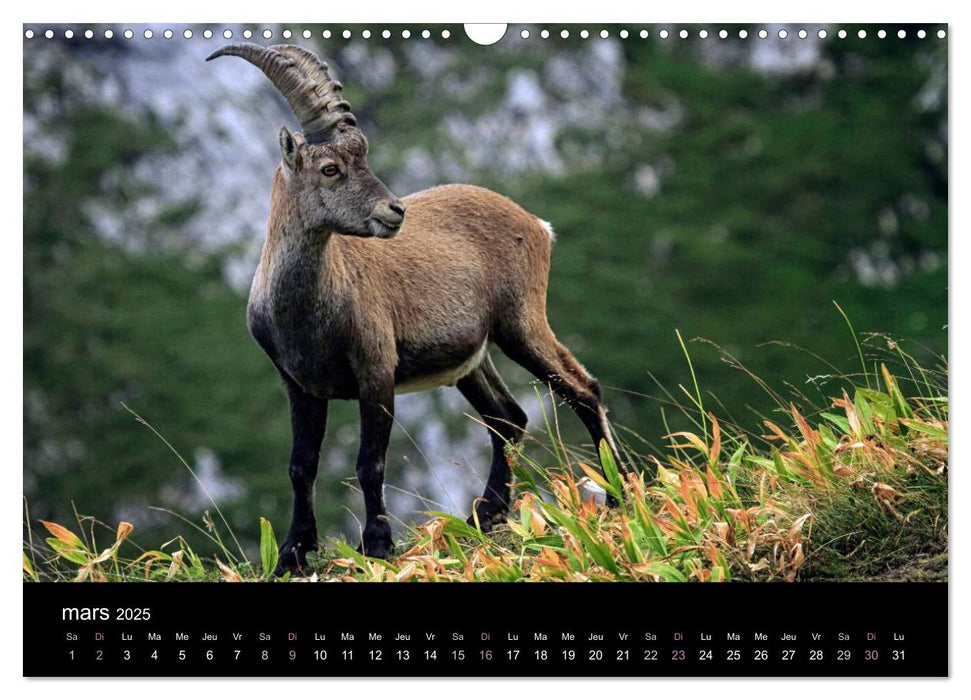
(611, 471)
(666, 572)
(856, 341)
(694, 381)
(269, 553)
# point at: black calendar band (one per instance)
(486, 629)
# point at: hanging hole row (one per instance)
(229, 34)
(446, 34)
(724, 33)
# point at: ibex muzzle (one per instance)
(386, 219)
(344, 317)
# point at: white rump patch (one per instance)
(549, 229)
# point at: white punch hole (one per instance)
(485, 34)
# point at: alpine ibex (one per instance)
(345, 316)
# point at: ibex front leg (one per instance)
(308, 419)
(377, 417)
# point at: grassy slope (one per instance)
(856, 490)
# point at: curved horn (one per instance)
(316, 70)
(303, 80)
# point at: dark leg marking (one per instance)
(553, 364)
(377, 418)
(308, 420)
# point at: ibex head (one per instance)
(326, 167)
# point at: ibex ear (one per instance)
(289, 149)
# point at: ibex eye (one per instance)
(329, 170)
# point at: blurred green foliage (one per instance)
(775, 180)
(770, 185)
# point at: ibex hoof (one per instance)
(293, 557)
(489, 514)
(377, 541)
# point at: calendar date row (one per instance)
(540, 655)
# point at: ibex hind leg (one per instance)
(506, 421)
(553, 364)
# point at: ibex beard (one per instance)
(344, 316)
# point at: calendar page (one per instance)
(556, 349)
